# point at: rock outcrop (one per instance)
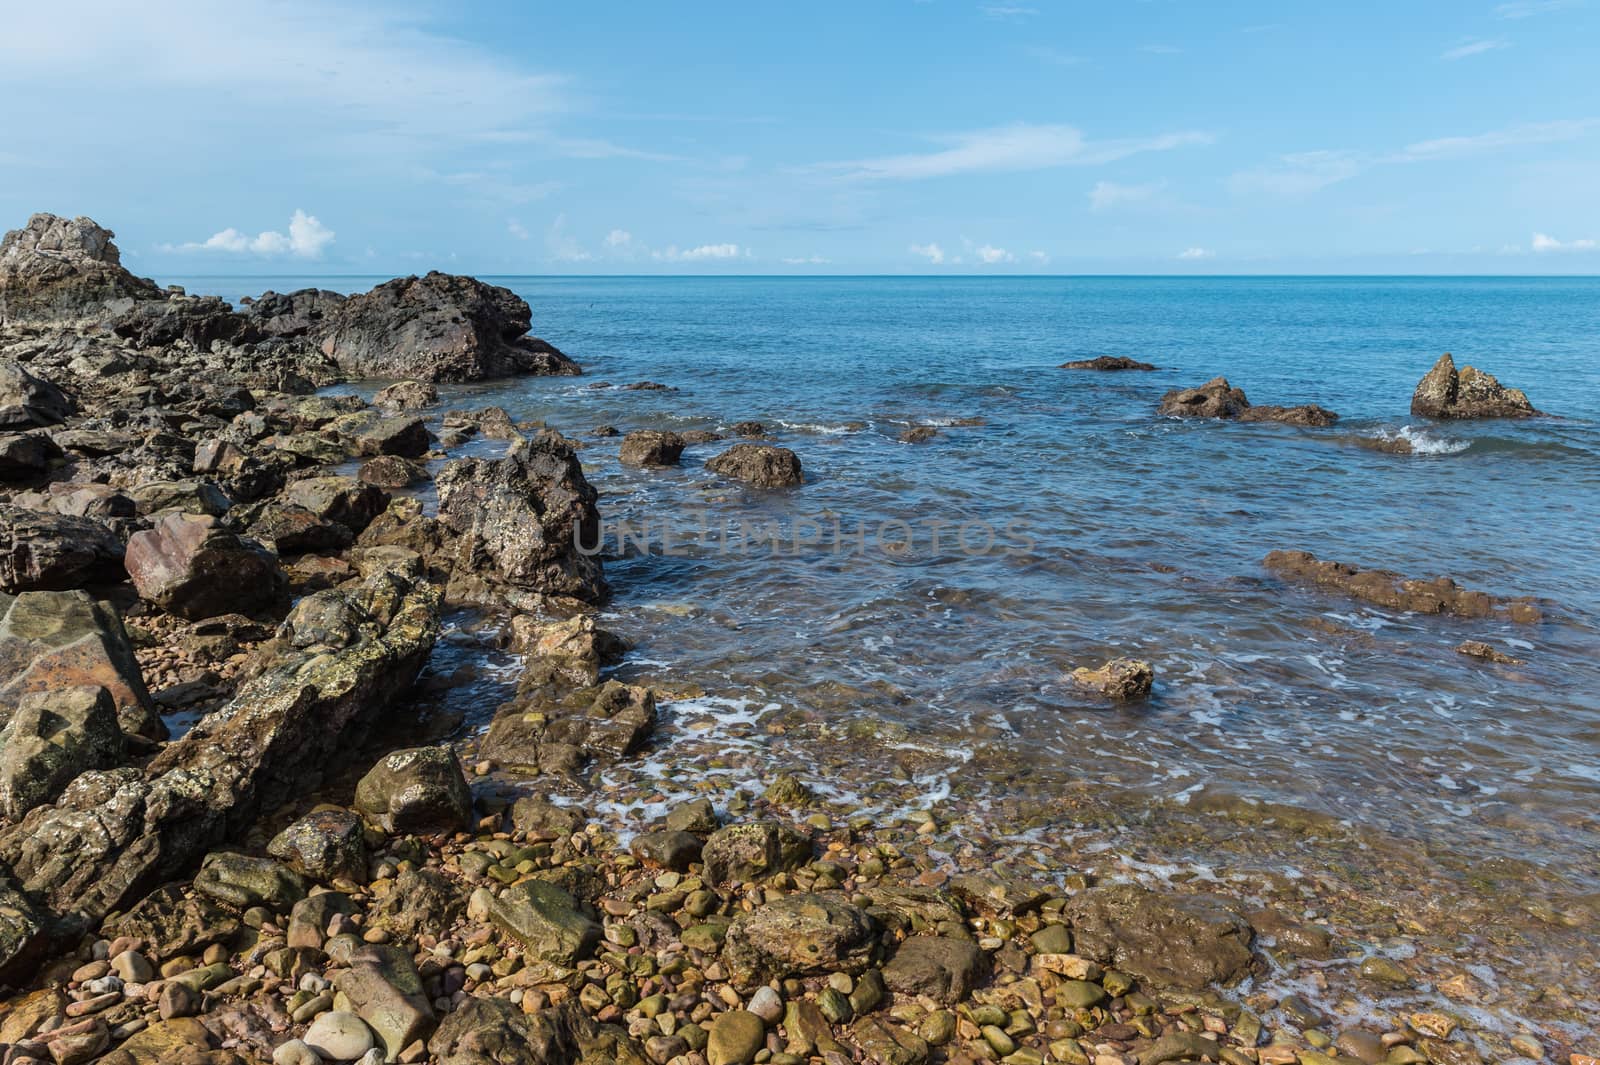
(342, 658)
(1218, 399)
(523, 524)
(440, 327)
(760, 465)
(1437, 595)
(1445, 392)
(52, 738)
(1107, 362)
(59, 268)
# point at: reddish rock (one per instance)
(190, 567)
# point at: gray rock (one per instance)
(421, 901)
(944, 969)
(59, 268)
(547, 921)
(1179, 941)
(760, 465)
(420, 789)
(53, 737)
(327, 844)
(667, 849)
(385, 991)
(27, 401)
(752, 850)
(801, 935)
(493, 1031)
(342, 500)
(53, 552)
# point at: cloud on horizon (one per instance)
(1020, 146)
(1544, 243)
(306, 239)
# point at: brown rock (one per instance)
(1107, 362)
(761, 465)
(191, 567)
(1120, 678)
(1445, 392)
(1440, 595)
(651, 447)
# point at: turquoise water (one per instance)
(921, 677)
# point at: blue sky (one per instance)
(880, 136)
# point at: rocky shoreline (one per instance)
(178, 544)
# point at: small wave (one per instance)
(826, 430)
(1409, 441)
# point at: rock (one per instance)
(191, 497)
(440, 327)
(526, 521)
(406, 396)
(309, 920)
(801, 935)
(1445, 392)
(132, 967)
(736, 1036)
(575, 648)
(492, 1031)
(422, 902)
(752, 850)
(171, 922)
(547, 921)
(302, 313)
(1120, 678)
(491, 422)
(112, 837)
(27, 401)
(697, 816)
(343, 500)
(417, 790)
(55, 640)
(294, 530)
(884, 1041)
(25, 456)
(193, 568)
(241, 881)
(1479, 649)
(1365, 1047)
(767, 1004)
(761, 465)
(749, 429)
(1179, 941)
(666, 849)
(404, 436)
(327, 844)
(944, 969)
(1440, 595)
(56, 268)
(562, 733)
(178, 1000)
(339, 1036)
(1308, 414)
(918, 434)
(391, 471)
(1180, 1046)
(295, 1052)
(24, 936)
(532, 813)
(651, 447)
(384, 990)
(54, 552)
(1107, 362)
(1214, 399)
(53, 737)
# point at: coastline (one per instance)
(885, 883)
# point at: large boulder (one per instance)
(53, 737)
(26, 400)
(25, 456)
(1179, 941)
(441, 327)
(384, 989)
(561, 732)
(550, 924)
(193, 568)
(943, 968)
(55, 552)
(753, 849)
(59, 268)
(801, 935)
(761, 465)
(651, 447)
(421, 789)
(302, 313)
(342, 658)
(526, 523)
(1445, 392)
(1214, 399)
(343, 500)
(54, 640)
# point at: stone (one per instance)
(56, 640)
(416, 790)
(1439, 595)
(1306, 414)
(294, 530)
(440, 327)
(1107, 362)
(1214, 399)
(132, 967)
(191, 497)
(736, 1036)
(27, 401)
(944, 969)
(406, 396)
(546, 920)
(1365, 1047)
(492, 1031)
(1445, 392)
(57, 268)
(767, 1004)
(391, 471)
(527, 522)
(562, 732)
(759, 465)
(666, 849)
(800, 935)
(171, 922)
(753, 849)
(422, 902)
(311, 916)
(295, 1052)
(1180, 1046)
(651, 447)
(193, 568)
(697, 816)
(1178, 941)
(242, 881)
(25, 456)
(327, 844)
(1487, 652)
(339, 1036)
(112, 837)
(24, 936)
(342, 500)
(52, 738)
(385, 991)
(405, 437)
(1120, 678)
(40, 551)
(577, 648)
(888, 1043)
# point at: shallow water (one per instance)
(907, 678)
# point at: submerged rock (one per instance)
(1307, 414)
(1439, 595)
(1445, 392)
(562, 732)
(440, 327)
(761, 465)
(1218, 399)
(1107, 362)
(1120, 678)
(1181, 941)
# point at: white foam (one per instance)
(1423, 442)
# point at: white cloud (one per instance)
(1039, 257)
(672, 253)
(1019, 146)
(1511, 137)
(1196, 253)
(1519, 9)
(517, 229)
(563, 246)
(813, 260)
(932, 252)
(1107, 195)
(1300, 174)
(1543, 243)
(1472, 48)
(307, 237)
(990, 255)
(1007, 11)
(619, 238)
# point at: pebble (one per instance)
(339, 1036)
(736, 1037)
(767, 1004)
(295, 1052)
(133, 967)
